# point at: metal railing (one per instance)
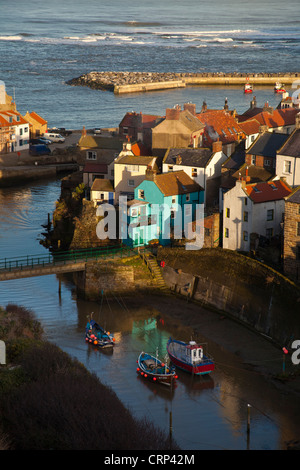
(65, 257)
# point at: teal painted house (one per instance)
(162, 207)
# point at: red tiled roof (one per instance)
(219, 124)
(277, 118)
(38, 118)
(95, 168)
(139, 149)
(267, 191)
(250, 126)
(6, 115)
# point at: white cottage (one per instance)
(253, 209)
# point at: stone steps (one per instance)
(155, 271)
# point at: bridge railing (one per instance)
(64, 257)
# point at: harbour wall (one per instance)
(11, 176)
(238, 287)
(123, 276)
(133, 82)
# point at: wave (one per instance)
(11, 38)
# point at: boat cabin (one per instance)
(194, 352)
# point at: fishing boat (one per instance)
(190, 357)
(97, 336)
(279, 88)
(153, 369)
(248, 88)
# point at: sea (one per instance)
(45, 44)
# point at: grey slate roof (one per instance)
(198, 157)
(267, 144)
(291, 147)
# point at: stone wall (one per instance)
(112, 277)
(238, 286)
(128, 82)
(291, 251)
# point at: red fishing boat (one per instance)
(279, 88)
(248, 88)
(190, 357)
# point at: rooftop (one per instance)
(195, 157)
(267, 191)
(176, 182)
(267, 144)
(291, 147)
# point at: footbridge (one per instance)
(58, 262)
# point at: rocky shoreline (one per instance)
(121, 82)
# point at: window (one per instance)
(246, 201)
(130, 182)
(269, 232)
(170, 168)
(194, 172)
(206, 232)
(267, 163)
(245, 236)
(253, 159)
(226, 232)
(287, 166)
(245, 216)
(141, 194)
(228, 212)
(125, 130)
(298, 229)
(187, 197)
(270, 214)
(90, 155)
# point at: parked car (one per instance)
(54, 137)
(97, 130)
(41, 140)
(39, 149)
(60, 130)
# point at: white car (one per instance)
(54, 137)
(97, 131)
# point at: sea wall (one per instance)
(132, 82)
(113, 277)
(237, 286)
(11, 176)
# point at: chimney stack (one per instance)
(173, 113)
(217, 146)
(190, 107)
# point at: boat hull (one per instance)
(158, 373)
(203, 367)
(97, 336)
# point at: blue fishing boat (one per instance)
(153, 369)
(97, 336)
(190, 357)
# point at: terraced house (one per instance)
(252, 212)
(163, 207)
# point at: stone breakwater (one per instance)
(130, 82)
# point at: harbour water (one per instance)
(44, 45)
